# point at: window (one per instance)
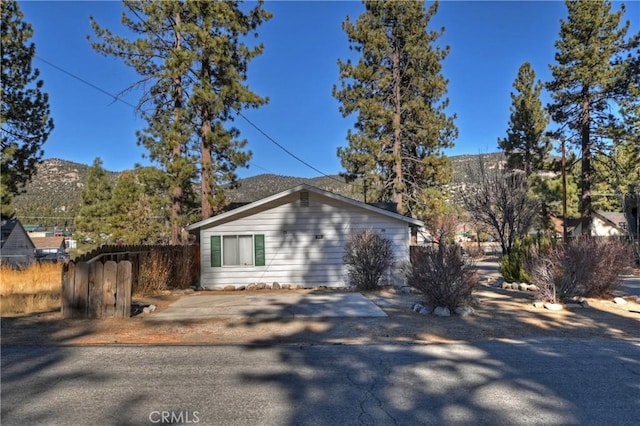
(237, 250)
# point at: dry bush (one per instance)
(35, 288)
(443, 275)
(367, 256)
(586, 267)
(155, 274)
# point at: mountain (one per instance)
(53, 197)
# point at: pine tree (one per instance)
(398, 93)
(95, 215)
(590, 78)
(192, 57)
(615, 174)
(526, 146)
(24, 117)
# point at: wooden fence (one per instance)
(99, 284)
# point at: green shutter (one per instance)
(259, 249)
(216, 251)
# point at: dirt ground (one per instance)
(500, 314)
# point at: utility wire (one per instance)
(262, 132)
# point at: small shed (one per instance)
(295, 237)
(16, 248)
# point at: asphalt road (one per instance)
(494, 383)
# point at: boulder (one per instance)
(538, 304)
(426, 310)
(285, 286)
(533, 287)
(523, 286)
(252, 286)
(416, 307)
(464, 311)
(553, 306)
(619, 301)
(275, 285)
(442, 311)
(229, 288)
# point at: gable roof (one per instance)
(615, 218)
(8, 226)
(303, 187)
(48, 242)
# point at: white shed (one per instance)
(295, 237)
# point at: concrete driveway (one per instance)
(285, 305)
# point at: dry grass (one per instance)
(34, 289)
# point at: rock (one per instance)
(585, 303)
(200, 288)
(498, 282)
(538, 304)
(426, 310)
(229, 288)
(275, 285)
(533, 287)
(506, 286)
(146, 310)
(285, 286)
(252, 286)
(240, 287)
(441, 311)
(523, 287)
(464, 311)
(619, 301)
(553, 306)
(638, 299)
(416, 307)
(260, 286)
(574, 305)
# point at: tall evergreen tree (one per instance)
(398, 93)
(526, 146)
(590, 79)
(93, 220)
(24, 117)
(191, 56)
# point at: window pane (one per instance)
(245, 249)
(230, 250)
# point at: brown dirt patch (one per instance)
(501, 314)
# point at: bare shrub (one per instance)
(182, 276)
(586, 267)
(155, 273)
(367, 256)
(443, 275)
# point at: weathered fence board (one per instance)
(123, 290)
(110, 275)
(81, 295)
(68, 289)
(95, 290)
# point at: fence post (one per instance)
(123, 290)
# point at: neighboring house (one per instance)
(605, 224)
(293, 237)
(50, 248)
(16, 248)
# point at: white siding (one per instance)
(293, 254)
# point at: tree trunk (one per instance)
(398, 182)
(176, 190)
(205, 152)
(585, 201)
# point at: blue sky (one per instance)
(303, 41)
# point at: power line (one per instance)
(262, 132)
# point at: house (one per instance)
(295, 237)
(605, 224)
(50, 248)
(16, 248)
